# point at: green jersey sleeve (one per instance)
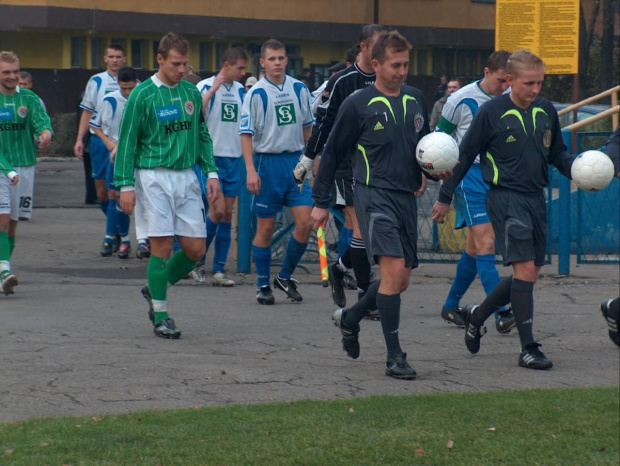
(125, 160)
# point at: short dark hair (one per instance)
(272, 44)
(173, 41)
(232, 55)
(497, 60)
(25, 75)
(389, 40)
(459, 79)
(352, 53)
(117, 47)
(127, 74)
(370, 30)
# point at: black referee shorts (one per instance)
(389, 223)
(520, 225)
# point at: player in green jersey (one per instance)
(162, 136)
(24, 126)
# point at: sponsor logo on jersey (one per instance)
(511, 138)
(547, 139)
(286, 114)
(418, 122)
(6, 113)
(170, 112)
(22, 111)
(178, 126)
(189, 107)
(230, 112)
(378, 126)
(12, 126)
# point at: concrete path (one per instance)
(75, 339)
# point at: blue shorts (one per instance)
(230, 175)
(99, 158)
(470, 199)
(109, 179)
(202, 180)
(278, 187)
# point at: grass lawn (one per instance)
(555, 426)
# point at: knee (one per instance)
(196, 252)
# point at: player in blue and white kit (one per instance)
(97, 88)
(222, 96)
(106, 123)
(471, 193)
(276, 122)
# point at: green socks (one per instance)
(179, 265)
(157, 278)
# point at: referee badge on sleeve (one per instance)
(547, 139)
(418, 122)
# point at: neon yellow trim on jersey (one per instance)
(517, 114)
(363, 151)
(535, 110)
(385, 101)
(495, 171)
(405, 99)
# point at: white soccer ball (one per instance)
(592, 170)
(437, 152)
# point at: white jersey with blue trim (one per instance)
(96, 89)
(223, 114)
(276, 115)
(109, 113)
(460, 108)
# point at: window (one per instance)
(295, 62)
(320, 74)
(443, 62)
(422, 61)
(220, 48)
(138, 47)
(467, 63)
(97, 49)
(155, 47)
(77, 52)
(203, 59)
(483, 1)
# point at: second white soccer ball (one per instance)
(592, 170)
(437, 152)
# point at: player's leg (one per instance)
(123, 222)
(111, 225)
(484, 238)
(339, 268)
(611, 313)
(143, 251)
(99, 158)
(7, 280)
(300, 203)
(465, 274)
(223, 238)
(261, 252)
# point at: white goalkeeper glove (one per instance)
(303, 171)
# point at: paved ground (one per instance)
(75, 339)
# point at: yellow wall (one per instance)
(462, 13)
(35, 49)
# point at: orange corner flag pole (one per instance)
(320, 237)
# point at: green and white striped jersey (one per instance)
(22, 120)
(162, 127)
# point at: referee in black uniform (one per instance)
(381, 126)
(517, 136)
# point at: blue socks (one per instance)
(122, 221)
(211, 231)
(262, 261)
(110, 225)
(294, 251)
(489, 275)
(466, 272)
(104, 207)
(222, 245)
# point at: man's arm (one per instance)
(340, 145)
(558, 155)
(326, 116)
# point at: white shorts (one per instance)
(171, 202)
(22, 193)
(5, 195)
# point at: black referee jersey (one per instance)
(382, 133)
(515, 146)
